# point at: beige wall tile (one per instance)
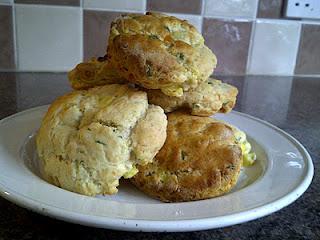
(6, 38)
(48, 37)
(96, 32)
(231, 8)
(270, 8)
(308, 59)
(274, 49)
(229, 40)
(176, 6)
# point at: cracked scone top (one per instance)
(157, 51)
(89, 139)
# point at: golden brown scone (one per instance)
(89, 139)
(157, 25)
(200, 159)
(96, 72)
(157, 51)
(208, 98)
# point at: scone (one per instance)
(96, 72)
(200, 159)
(208, 98)
(88, 140)
(157, 51)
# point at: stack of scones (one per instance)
(141, 112)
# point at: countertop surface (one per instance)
(293, 104)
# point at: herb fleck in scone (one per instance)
(207, 99)
(88, 140)
(157, 51)
(200, 159)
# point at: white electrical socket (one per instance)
(303, 9)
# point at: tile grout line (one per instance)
(111, 10)
(15, 45)
(47, 5)
(182, 14)
(251, 43)
(251, 40)
(81, 31)
(202, 14)
(285, 20)
(144, 6)
(256, 10)
(15, 40)
(309, 22)
(230, 18)
(298, 48)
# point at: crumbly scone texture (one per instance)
(157, 51)
(208, 98)
(89, 139)
(96, 72)
(200, 159)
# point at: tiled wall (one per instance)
(248, 36)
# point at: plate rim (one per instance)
(170, 225)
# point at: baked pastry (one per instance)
(89, 139)
(208, 98)
(157, 51)
(200, 159)
(96, 72)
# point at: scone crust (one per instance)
(89, 139)
(157, 25)
(93, 73)
(208, 98)
(157, 51)
(200, 159)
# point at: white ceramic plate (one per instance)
(281, 174)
